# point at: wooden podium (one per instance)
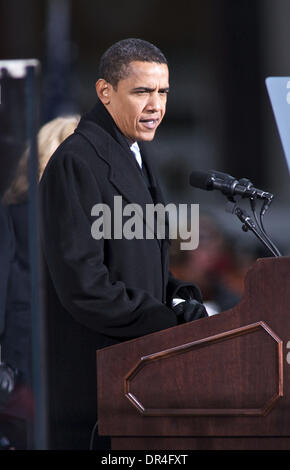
(221, 382)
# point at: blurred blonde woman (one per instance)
(49, 137)
(15, 337)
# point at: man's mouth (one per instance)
(149, 123)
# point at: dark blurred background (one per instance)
(219, 52)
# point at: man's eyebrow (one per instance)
(144, 88)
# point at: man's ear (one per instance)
(104, 89)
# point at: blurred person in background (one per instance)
(15, 315)
(7, 247)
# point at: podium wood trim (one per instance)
(161, 355)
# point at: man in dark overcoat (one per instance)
(102, 291)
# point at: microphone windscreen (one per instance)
(201, 179)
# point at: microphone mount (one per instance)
(235, 190)
(230, 186)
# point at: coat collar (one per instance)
(98, 127)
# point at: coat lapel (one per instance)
(124, 174)
(155, 189)
(130, 182)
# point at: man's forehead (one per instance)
(147, 71)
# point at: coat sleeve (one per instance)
(75, 259)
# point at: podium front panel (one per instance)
(226, 375)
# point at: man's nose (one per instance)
(154, 103)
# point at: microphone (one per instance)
(227, 184)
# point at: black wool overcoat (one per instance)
(97, 292)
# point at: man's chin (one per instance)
(146, 136)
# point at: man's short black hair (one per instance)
(114, 63)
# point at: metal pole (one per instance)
(39, 380)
